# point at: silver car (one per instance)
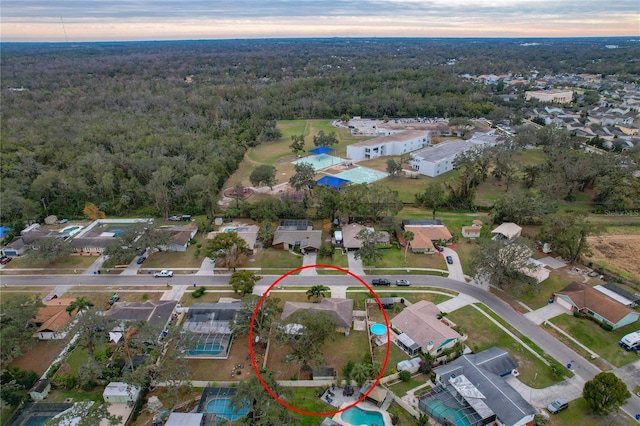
(557, 406)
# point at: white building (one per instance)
(393, 144)
(438, 159)
(120, 392)
(558, 96)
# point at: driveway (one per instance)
(355, 265)
(455, 270)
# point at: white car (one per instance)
(164, 273)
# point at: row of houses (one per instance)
(92, 239)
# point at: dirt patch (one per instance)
(618, 251)
(40, 356)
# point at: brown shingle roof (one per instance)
(586, 297)
(424, 235)
(340, 309)
(53, 315)
(419, 321)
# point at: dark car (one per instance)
(381, 281)
(557, 406)
(141, 259)
(449, 260)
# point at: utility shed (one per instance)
(120, 392)
(185, 419)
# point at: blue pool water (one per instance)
(37, 420)
(222, 407)
(359, 417)
(361, 175)
(210, 349)
(437, 409)
(321, 161)
(69, 229)
(379, 329)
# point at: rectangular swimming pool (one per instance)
(362, 175)
(322, 161)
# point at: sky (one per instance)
(120, 20)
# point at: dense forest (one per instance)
(143, 127)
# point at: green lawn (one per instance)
(578, 413)
(484, 334)
(395, 356)
(395, 258)
(59, 395)
(540, 298)
(338, 259)
(602, 342)
(209, 296)
(306, 399)
(404, 418)
(401, 388)
(272, 258)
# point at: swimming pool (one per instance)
(322, 161)
(379, 329)
(38, 420)
(222, 407)
(208, 349)
(359, 417)
(71, 230)
(362, 175)
(437, 409)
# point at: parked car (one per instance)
(557, 406)
(6, 260)
(404, 283)
(381, 281)
(113, 299)
(449, 260)
(50, 297)
(175, 218)
(439, 248)
(141, 259)
(164, 273)
(141, 251)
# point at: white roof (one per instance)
(508, 229)
(614, 296)
(184, 419)
(119, 388)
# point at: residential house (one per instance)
(52, 319)
(473, 390)
(211, 322)
(297, 233)
(350, 233)
(248, 232)
(394, 144)
(472, 231)
(40, 390)
(579, 297)
(540, 273)
(181, 236)
(425, 233)
(17, 247)
(155, 312)
(93, 239)
(506, 231)
(420, 330)
(341, 310)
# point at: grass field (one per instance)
(540, 298)
(602, 342)
(272, 258)
(395, 258)
(401, 388)
(579, 413)
(306, 399)
(484, 334)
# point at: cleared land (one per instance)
(617, 252)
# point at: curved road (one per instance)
(556, 349)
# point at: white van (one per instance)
(631, 341)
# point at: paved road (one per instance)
(581, 367)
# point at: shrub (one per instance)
(577, 314)
(606, 327)
(197, 293)
(145, 296)
(405, 376)
(326, 249)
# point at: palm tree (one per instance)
(81, 304)
(360, 373)
(408, 237)
(317, 291)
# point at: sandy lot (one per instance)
(617, 250)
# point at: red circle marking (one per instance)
(257, 370)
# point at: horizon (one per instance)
(164, 20)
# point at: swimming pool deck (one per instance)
(364, 406)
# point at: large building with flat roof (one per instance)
(557, 96)
(438, 159)
(393, 144)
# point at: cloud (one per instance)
(326, 17)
